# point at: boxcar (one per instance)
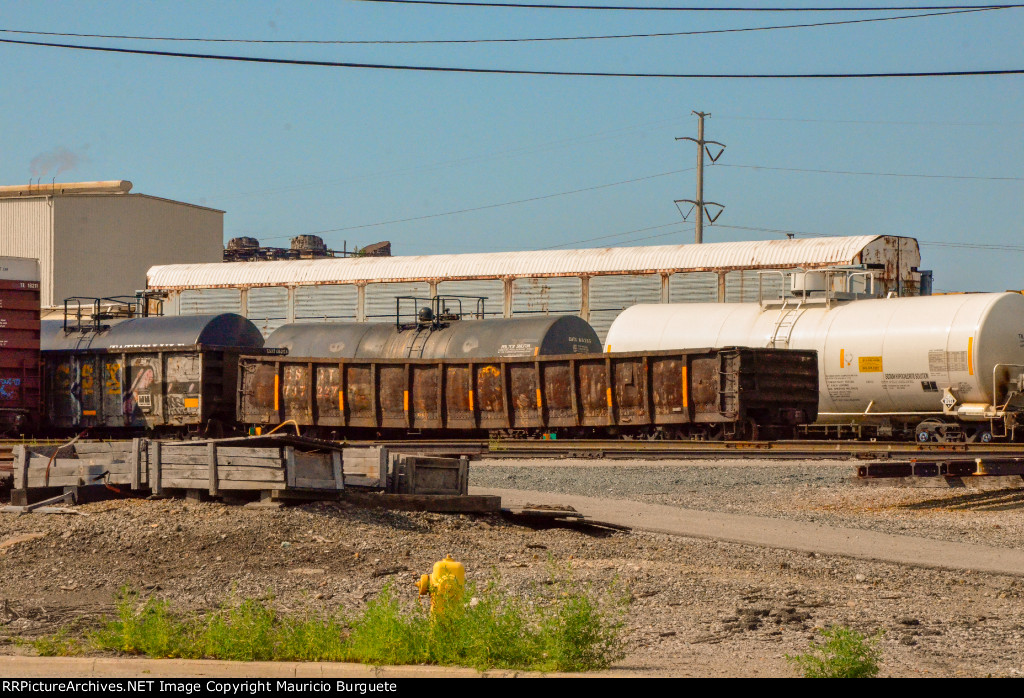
(145, 373)
(726, 393)
(20, 381)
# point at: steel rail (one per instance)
(617, 449)
(661, 450)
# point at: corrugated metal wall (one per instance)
(492, 289)
(380, 299)
(206, 301)
(267, 307)
(742, 286)
(26, 230)
(547, 296)
(328, 303)
(693, 287)
(610, 295)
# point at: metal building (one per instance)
(96, 239)
(596, 284)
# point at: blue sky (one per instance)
(286, 150)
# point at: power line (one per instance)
(523, 150)
(635, 8)
(876, 174)
(365, 42)
(613, 235)
(871, 122)
(489, 206)
(926, 243)
(507, 71)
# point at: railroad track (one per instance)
(616, 449)
(664, 450)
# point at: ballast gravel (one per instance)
(697, 607)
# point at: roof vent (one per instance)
(243, 243)
(309, 243)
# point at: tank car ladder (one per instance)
(788, 315)
(418, 342)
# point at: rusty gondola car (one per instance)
(736, 393)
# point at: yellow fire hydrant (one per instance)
(445, 584)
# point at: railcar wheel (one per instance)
(929, 430)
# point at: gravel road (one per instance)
(700, 607)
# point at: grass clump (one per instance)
(60, 644)
(565, 629)
(574, 630)
(844, 654)
(248, 631)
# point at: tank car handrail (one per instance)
(995, 367)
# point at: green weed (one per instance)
(569, 629)
(844, 654)
(60, 644)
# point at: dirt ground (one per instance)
(698, 607)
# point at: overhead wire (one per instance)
(930, 243)
(869, 121)
(872, 174)
(509, 71)
(656, 8)
(523, 150)
(366, 42)
(489, 206)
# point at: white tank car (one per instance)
(882, 361)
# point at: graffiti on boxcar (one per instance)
(9, 388)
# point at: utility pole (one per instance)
(699, 203)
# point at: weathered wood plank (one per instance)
(201, 458)
(239, 452)
(290, 471)
(199, 449)
(21, 459)
(157, 479)
(313, 465)
(224, 474)
(315, 484)
(365, 467)
(135, 463)
(339, 476)
(101, 447)
(202, 484)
